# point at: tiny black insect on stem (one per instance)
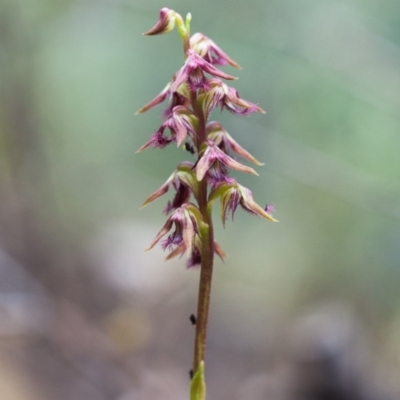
(188, 147)
(193, 319)
(191, 374)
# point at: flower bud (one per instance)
(165, 23)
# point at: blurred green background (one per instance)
(305, 309)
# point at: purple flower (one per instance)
(224, 141)
(181, 97)
(183, 181)
(231, 195)
(227, 97)
(157, 140)
(193, 71)
(213, 153)
(185, 220)
(192, 94)
(207, 49)
(180, 122)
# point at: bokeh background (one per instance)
(307, 309)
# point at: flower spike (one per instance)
(192, 94)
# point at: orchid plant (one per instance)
(192, 94)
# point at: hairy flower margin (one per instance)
(192, 94)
